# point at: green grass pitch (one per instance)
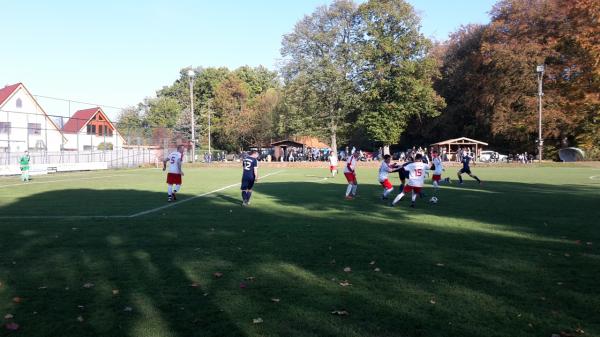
(93, 254)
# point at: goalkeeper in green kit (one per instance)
(24, 161)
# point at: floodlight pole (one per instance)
(193, 124)
(540, 71)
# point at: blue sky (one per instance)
(116, 52)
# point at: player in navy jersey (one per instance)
(249, 176)
(466, 160)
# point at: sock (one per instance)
(244, 195)
(401, 188)
(398, 198)
(348, 189)
(170, 189)
(354, 187)
(459, 179)
(414, 197)
(477, 179)
(248, 195)
(177, 187)
(435, 184)
(387, 192)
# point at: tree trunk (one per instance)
(333, 129)
(386, 149)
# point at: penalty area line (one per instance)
(153, 210)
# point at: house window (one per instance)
(19, 103)
(110, 132)
(91, 129)
(34, 128)
(5, 128)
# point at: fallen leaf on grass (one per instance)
(80, 318)
(194, 285)
(88, 285)
(8, 316)
(340, 313)
(128, 309)
(345, 283)
(11, 326)
(439, 264)
(250, 278)
(377, 270)
(17, 299)
(372, 263)
(567, 254)
(42, 287)
(81, 307)
(218, 275)
(275, 300)
(589, 243)
(432, 301)
(115, 291)
(347, 269)
(257, 320)
(559, 283)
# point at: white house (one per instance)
(91, 129)
(24, 125)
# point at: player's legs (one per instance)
(387, 189)
(354, 187)
(351, 189)
(403, 192)
(170, 192)
(459, 175)
(475, 177)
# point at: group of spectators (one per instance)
(523, 158)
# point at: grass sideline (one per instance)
(517, 256)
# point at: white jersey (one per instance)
(333, 160)
(416, 173)
(174, 162)
(439, 167)
(350, 165)
(384, 171)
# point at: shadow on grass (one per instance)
(495, 260)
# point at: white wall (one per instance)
(82, 141)
(19, 138)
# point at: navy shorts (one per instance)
(465, 170)
(402, 174)
(247, 183)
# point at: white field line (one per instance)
(25, 217)
(71, 179)
(153, 210)
(595, 177)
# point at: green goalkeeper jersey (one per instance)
(24, 161)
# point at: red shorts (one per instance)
(386, 184)
(351, 177)
(174, 179)
(409, 188)
(331, 168)
(436, 177)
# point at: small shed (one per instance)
(451, 146)
(281, 148)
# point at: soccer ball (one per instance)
(433, 200)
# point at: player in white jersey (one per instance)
(438, 168)
(417, 171)
(384, 170)
(333, 163)
(350, 173)
(175, 160)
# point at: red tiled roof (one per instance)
(7, 91)
(79, 120)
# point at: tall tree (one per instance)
(395, 69)
(318, 66)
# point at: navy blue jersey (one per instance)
(248, 164)
(465, 161)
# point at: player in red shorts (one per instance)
(416, 179)
(175, 159)
(350, 173)
(384, 171)
(438, 168)
(333, 163)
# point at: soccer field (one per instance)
(104, 254)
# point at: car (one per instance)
(492, 157)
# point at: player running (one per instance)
(416, 179)
(249, 176)
(24, 162)
(350, 173)
(466, 159)
(175, 160)
(384, 170)
(438, 168)
(333, 163)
